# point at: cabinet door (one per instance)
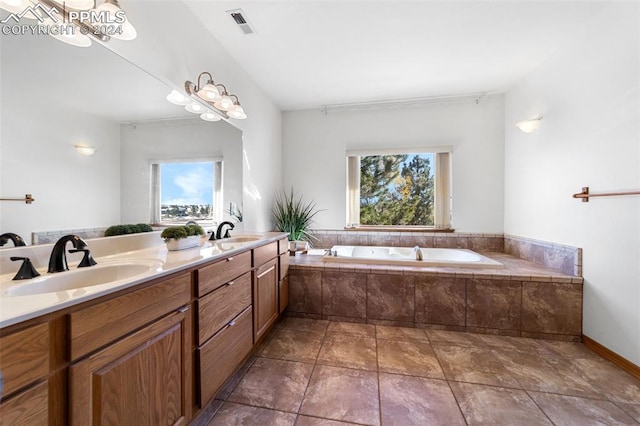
(142, 379)
(265, 298)
(284, 293)
(27, 408)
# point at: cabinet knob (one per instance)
(229, 259)
(231, 323)
(182, 309)
(231, 283)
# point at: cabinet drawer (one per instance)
(284, 266)
(24, 357)
(219, 307)
(223, 353)
(98, 325)
(283, 246)
(265, 253)
(28, 408)
(217, 274)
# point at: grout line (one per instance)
(539, 407)
(378, 378)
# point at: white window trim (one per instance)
(442, 173)
(218, 202)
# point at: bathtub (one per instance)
(407, 256)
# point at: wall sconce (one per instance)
(219, 103)
(74, 22)
(530, 125)
(85, 150)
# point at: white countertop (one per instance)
(161, 262)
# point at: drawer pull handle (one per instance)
(182, 309)
(231, 323)
(231, 283)
(229, 259)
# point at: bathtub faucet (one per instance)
(418, 253)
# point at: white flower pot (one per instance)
(298, 245)
(184, 243)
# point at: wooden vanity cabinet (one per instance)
(265, 289)
(134, 363)
(224, 322)
(283, 274)
(25, 370)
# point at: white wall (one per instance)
(174, 46)
(171, 141)
(38, 157)
(314, 148)
(590, 136)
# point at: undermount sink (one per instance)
(102, 273)
(241, 239)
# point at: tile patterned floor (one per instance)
(313, 372)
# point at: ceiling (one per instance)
(307, 54)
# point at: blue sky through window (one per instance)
(186, 183)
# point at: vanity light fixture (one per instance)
(74, 22)
(216, 97)
(530, 125)
(194, 107)
(85, 150)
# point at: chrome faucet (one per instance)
(17, 239)
(58, 259)
(418, 252)
(218, 234)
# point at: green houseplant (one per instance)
(293, 215)
(183, 237)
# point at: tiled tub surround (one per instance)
(563, 258)
(522, 299)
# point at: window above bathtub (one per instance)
(186, 190)
(399, 188)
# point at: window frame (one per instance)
(442, 155)
(155, 212)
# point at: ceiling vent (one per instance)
(240, 18)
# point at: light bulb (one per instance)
(224, 104)
(210, 116)
(128, 32)
(76, 4)
(195, 108)
(67, 33)
(209, 92)
(177, 98)
(237, 112)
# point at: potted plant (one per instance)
(291, 214)
(183, 237)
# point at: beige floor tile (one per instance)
(631, 409)
(294, 345)
(342, 350)
(414, 358)
(613, 383)
(316, 421)
(273, 383)
(473, 365)
(454, 338)
(572, 410)
(233, 381)
(303, 324)
(366, 330)
(400, 333)
(495, 405)
(406, 400)
(231, 414)
(343, 394)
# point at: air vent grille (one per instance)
(240, 19)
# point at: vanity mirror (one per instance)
(80, 130)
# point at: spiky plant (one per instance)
(291, 214)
